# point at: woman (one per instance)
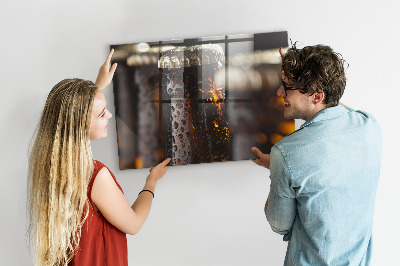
(78, 212)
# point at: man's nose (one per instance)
(280, 92)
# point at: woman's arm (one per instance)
(114, 206)
(106, 72)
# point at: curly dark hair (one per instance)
(316, 69)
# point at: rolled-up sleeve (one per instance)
(281, 210)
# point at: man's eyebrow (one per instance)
(101, 112)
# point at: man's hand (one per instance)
(263, 159)
(281, 52)
(345, 106)
(106, 74)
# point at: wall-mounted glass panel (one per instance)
(200, 100)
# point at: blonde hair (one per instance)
(60, 168)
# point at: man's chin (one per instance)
(288, 116)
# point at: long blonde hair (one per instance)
(60, 168)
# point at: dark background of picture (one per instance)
(200, 100)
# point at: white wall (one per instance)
(207, 214)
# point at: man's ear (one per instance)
(318, 97)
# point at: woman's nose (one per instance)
(109, 114)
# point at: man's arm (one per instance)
(280, 208)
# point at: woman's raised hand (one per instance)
(158, 171)
(106, 74)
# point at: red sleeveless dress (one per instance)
(101, 243)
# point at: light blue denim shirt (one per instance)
(323, 183)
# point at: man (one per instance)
(324, 175)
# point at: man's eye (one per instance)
(103, 114)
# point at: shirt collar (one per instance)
(326, 114)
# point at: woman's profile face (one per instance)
(100, 116)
